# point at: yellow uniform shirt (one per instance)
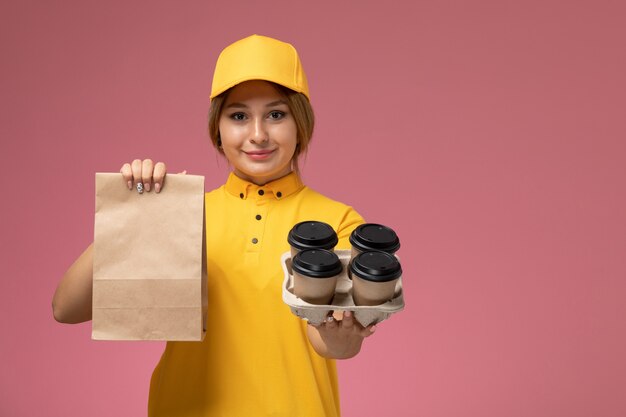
(256, 359)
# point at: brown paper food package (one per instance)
(149, 267)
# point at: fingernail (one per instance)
(157, 187)
(373, 329)
(130, 185)
(347, 313)
(147, 186)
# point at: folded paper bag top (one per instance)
(149, 269)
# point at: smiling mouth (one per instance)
(259, 154)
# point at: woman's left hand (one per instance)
(340, 336)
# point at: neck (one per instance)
(261, 180)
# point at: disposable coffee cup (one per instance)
(374, 277)
(374, 237)
(311, 235)
(315, 274)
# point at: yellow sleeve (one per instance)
(349, 222)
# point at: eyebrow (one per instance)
(243, 106)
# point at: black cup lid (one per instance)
(316, 263)
(312, 235)
(372, 236)
(376, 266)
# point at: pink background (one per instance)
(490, 134)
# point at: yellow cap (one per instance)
(259, 58)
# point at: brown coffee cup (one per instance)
(315, 274)
(374, 277)
(373, 237)
(311, 234)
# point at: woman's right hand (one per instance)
(145, 172)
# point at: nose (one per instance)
(259, 132)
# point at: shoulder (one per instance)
(342, 217)
(215, 193)
(329, 210)
(314, 197)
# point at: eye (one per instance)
(276, 115)
(238, 116)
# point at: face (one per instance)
(258, 132)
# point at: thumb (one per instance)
(183, 173)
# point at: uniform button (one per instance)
(261, 192)
(258, 217)
(279, 194)
(255, 240)
(240, 195)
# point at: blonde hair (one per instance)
(299, 106)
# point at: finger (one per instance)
(146, 173)
(368, 331)
(136, 168)
(331, 323)
(348, 320)
(183, 173)
(159, 176)
(338, 314)
(127, 174)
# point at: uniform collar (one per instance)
(278, 189)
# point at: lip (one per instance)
(259, 155)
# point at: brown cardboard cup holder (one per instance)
(342, 300)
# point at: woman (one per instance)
(257, 358)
